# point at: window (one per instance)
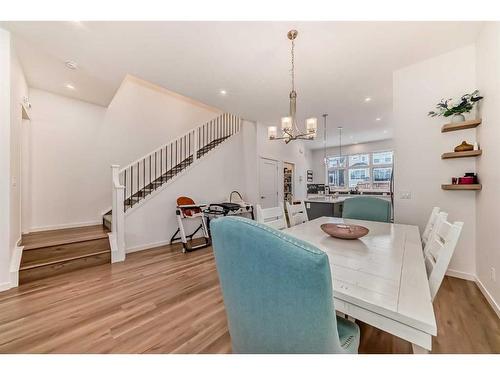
(368, 171)
(381, 158)
(336, 162)
(360, 160)
(359, 176)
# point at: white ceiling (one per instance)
(338, 64)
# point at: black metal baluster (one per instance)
(131, 185)
(125, 184)
(176, 155)
(138, 182)
(161, 165)
(155, 171)
(144, 175)
(166, 165)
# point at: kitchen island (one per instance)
(321, 205)
(318, 205)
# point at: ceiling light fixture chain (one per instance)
(325, 115)
(293, 65)
(289, 127)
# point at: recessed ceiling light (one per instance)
(368, 99)
(69, 86)
(385, 131)
(71, 65)
(223, 92)
(378, 119)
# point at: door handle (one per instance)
(262, 197)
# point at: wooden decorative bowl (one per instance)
(344, 231)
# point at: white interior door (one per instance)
(268, 183)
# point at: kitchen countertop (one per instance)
(325, 199)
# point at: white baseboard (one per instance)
(5, 286)
(65, 226)
(461, 275)
(15, 264)
(488, 297)
(133, 249)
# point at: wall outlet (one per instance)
(493, 274)
(405, 195)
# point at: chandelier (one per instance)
(289, 128)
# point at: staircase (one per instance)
(54, 252)
(143, 177)
(160, 180)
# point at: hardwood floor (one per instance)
(164, 301)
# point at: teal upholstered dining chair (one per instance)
(367, 208)
(277, 292)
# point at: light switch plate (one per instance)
(405, 195)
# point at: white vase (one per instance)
(457, 118)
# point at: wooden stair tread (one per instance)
(38, 240)
(57, 261)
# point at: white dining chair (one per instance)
(274, 216)
(430, 227)
(440, 218)
(297, 213)
(439, 253)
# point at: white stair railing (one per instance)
(140, 178)
(117, 235)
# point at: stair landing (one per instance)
(53, 252)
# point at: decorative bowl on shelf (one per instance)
(344, 231)
(464, 146)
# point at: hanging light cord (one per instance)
(340, 136)
(324, 140)
(293, 65)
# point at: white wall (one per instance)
(74, 143)
(4, 159)
(66, 166)
(487, 200)
(12, 91)
(294, 153)
(18, 90)
(419, 144)
(318, 155)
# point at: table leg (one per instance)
(418, 349)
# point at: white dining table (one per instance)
(379, 279)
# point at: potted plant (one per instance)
(456, 108)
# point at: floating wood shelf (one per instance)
(460, 125)
(461, 187)
(461, 154)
